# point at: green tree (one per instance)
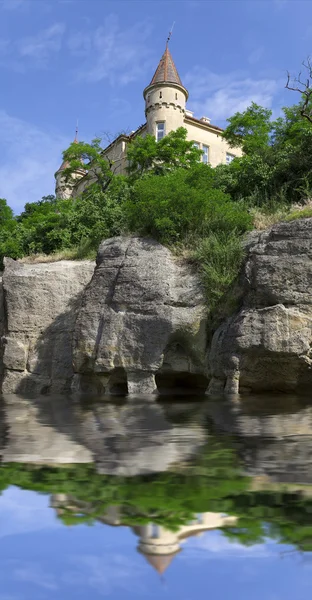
(6, 213)
(91, 159)
(249, 130)
(173, 151)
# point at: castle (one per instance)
(156, 543)
(165, 110)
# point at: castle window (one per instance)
(229, 157)
(196, 144)
(155, 530)
(205, 158)
(160, 94)
(160, 130)
(176, 96)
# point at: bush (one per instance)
(219, 258)
(171, 209)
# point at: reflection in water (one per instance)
(158, 544)
(168, 472)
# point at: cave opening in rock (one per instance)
(118, 384)
(181, 383)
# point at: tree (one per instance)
(91, 159)
(303, 86)
(6, 213)
(173, 151)
(249, 130)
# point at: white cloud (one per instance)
(34, 51)
(106, 573)
(30, 158)
(216, 543)
(22, 511)
(39, 47)
(13, 4)
(32, 573)
(255, 55)
(117, 55)
(220, 96)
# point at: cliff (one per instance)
(136, 321)
(266, 344)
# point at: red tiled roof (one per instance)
(166, 70)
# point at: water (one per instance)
(186, 499)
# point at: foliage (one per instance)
(276, 167)
(299, 214)
(89, 159)
(146, 155)
(171, 208)
(249, 130)
(219, 258)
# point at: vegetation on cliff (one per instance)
(168, 194)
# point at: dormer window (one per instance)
(160, 130)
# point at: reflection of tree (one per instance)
(214, 483)
(284, 516)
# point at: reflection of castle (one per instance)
(157, 544)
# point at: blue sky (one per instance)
(40, 559)
(91, 59)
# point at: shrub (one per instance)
(170, 209)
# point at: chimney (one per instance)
(205, 120)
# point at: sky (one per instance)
(63, 60)
(41, 559)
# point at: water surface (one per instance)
(178, 499)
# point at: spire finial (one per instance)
(76, 133)
(170, 34)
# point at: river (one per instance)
(182, 498)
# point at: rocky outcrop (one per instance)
(266, 345)
(141, 324)
(41, 304)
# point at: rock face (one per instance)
(142, 322)
(266, 345)
(41, 303)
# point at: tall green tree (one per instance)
(249, 130)
(146, 155)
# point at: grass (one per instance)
(219, 258)
(66, 254)
(84, 251)
(263, 219)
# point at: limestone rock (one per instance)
(142, 316)
(41, 302)
(266, 345)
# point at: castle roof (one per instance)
(159, 562)
(166, 71)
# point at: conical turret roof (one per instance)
(159, 562)
(166, 71)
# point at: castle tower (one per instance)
(63, 187)
(165, 98)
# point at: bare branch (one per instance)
(304, 88)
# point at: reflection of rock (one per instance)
(142, 316)
(266, 345)
(41, 301)
(45, 432)
(275, 435)
(122, 440)
(138, 438)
